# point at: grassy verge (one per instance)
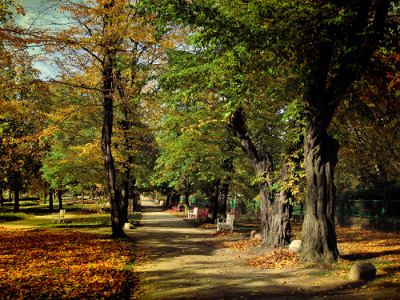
(11, 216)
(91, 220)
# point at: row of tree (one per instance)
(212, 96)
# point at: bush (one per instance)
(11, 216)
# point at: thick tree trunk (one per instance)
(319, 238)
(275, 225)
(280, 231)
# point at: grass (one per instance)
(11, 216)
(92, 220)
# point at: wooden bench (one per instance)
(58, 217)
(192, 214)
(225, 223)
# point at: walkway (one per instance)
(183, 266)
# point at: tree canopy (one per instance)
(211, 96)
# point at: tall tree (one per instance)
(103, 38)
(326, 45)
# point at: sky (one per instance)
(40, 13)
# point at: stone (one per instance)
(362, 271)
(127, 225)
(295, 246)
(253, 233)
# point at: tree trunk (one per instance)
(222, 200)
(275, 225)
(186, 199)
(16, 197)
(59, 196)
(280, 231)
(125, 198)
(1, 197)
(169, 201)
(51, 203)
(319, 237)
(117, 221)
(175, 199)
(213, 202)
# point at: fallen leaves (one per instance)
(242, 244)
(44, 264)
(277, 259)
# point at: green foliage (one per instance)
(11, 216)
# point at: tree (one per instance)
(326, 45)
(109, 49)
(20, 123)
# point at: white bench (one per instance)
(58, 217)
(192, 214)
(225, 223)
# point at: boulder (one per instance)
(295, 245)
(362, 271)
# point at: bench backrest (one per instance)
(230, 218)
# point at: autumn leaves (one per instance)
(50, 264)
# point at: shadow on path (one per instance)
(182, 265)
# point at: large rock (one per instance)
(295, 246)
(362, 271)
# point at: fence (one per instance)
(361, 208)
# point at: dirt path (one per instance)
(182, 266)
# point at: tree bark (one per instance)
(16, 197)
(319, 237)
(59, 196)
(117, 221)
(275, 226)
(222, 200)
(51, 202)
(213, 202)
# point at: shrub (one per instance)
(11, 216)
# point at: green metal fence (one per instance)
(389, 209)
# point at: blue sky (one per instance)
(40, 13)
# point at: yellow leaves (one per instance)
(275, 260)
(40, 263)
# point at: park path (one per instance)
(182, 265)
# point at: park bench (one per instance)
(225, 223)
(192, 214)
(58, 217)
